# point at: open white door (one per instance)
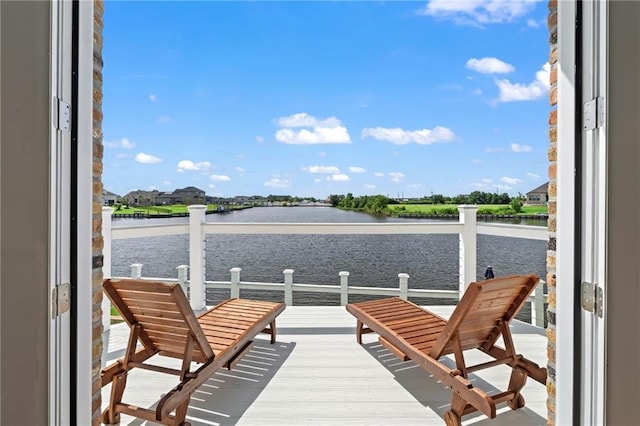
(60, 215)
(594, 211)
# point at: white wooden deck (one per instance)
(316, 373)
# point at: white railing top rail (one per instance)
(501, 229)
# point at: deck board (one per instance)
(316, 373)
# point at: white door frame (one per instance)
(85, 215)
(565, 217)
(594, 211)
(60, 215)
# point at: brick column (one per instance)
(98, 24)
(552, 22)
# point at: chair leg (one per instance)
(359, 326)
(516, 383)
(181, 413)
(273, 331)
(453, 417)
(117, 390)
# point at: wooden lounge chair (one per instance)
(480, 318)
(162, 321)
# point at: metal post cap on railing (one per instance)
(183, 277)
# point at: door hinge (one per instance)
(63, 115)
(59, 300)
(593, 114)
(592, 298)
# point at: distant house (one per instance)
(188, 195)
(538, 196)
(109, 198)
(143, 198)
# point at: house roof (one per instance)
(188, 189)
(542, 188)
(106, 193)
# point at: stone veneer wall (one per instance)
(552, 22)
(97, 241)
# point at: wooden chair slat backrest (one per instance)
(166, 307)
(486, 305)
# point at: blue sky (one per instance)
(318, 98)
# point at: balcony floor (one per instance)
(316, 373)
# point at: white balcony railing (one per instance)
(192, 277)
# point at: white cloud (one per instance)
(164, 119)
(322, 169)
(239, 169)
(220, 178)
(317, 135)
(378, 174)
(494, 149)
(259, 139)
(355, 169)
(488, 185)
(400, 136)
(151, 188)
(370, 186)
(212, 186)
(414, 185)
(317, 180)
(122, 143)
(532, 23)
(510, 92)
(489, 66)
(278, 183)
(396, 176)
(322, 154)
(143, 158)
(303, 119)
(153, 98)
(533, 175)
(338, 178)
(510, 180)
(166, 182)
(516, 147)
(476, 161)
(190, 166)
(317, 131)
(477, 92)
(478, 12)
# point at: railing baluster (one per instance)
(537, 311)
(344, 288)
(183, 277)
(288, 287)
(106, 264)
(468, 246)
(404, 285)
(136, 271)
(235, 281)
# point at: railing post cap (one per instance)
(136, 264)
(196, 207)
(236, 269)
(403, 275)
(106, 209)
(343, 273)
(288, 271)
(182, 267)
(467, 207)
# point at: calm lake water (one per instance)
(372, 260)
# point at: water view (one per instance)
(372, 260)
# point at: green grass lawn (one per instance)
(151, 210)
(453, 208)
